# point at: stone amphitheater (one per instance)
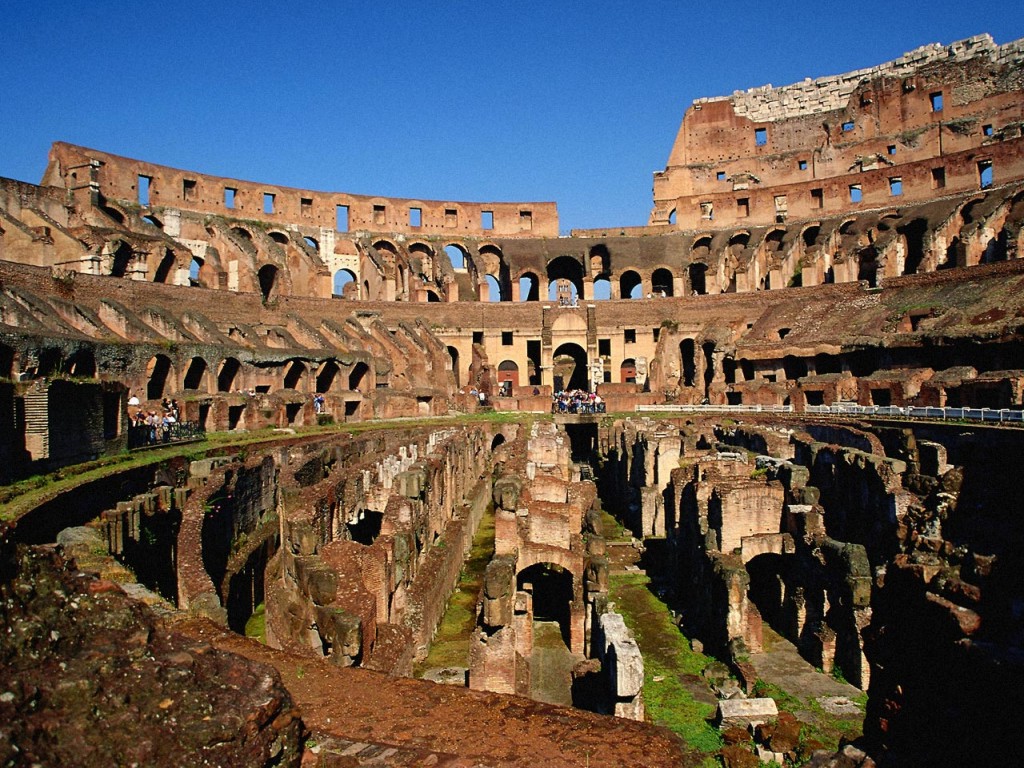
(261, 445)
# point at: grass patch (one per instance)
(256, 626)
(667, 657)
(450, 646)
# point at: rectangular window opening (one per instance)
(188, 189)
(268, 202)
(802, 165)
(891, 149)
(415, 217)
(987, 130)
(526, 220)
(936, 101)
(451, 217)
(896, 186)
(306, 206)
(144, 184)
(486, 219)
(760, 136)
(720, 175)
(230, 195)
(817, 198)
(629, 335)
(743, 207)
(707, 210)
(478, 337)
(379, 214)
(856, 193)
(656, 333)
(938, 177)
(506, 338)
(848, 126)
(341, 218)
(604, 347)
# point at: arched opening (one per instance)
(566, 268)
(163, 270)
(955, 256)
(312, 242)
(672, 217)
(157, 370)
(150, 219)
(195, 374)
(529, 287)
(122, 257)
(708, 347)
(357, 377)
(995, 249)
(569, 368)
(344, 278)
(49, 362)
(794, 367)
(627, 371)
(267, 277)
(432, 297)
(493, 289)
(293, 376)
(508, 377)
(326, 376)
(825, 363)
(563, 292)
(602, 289)
(456, 255)
(688, 360)
(279, 237)
(195, 267)
(243, 233)
(453, 353)
(661, 282)
(81, 364)
(913, 234)
(6, 362)
(698, 278)
(630, 285)
(767, 586)
(600, 261)
(499, 439)
(552, 591)
(228, 371)
(867, 266)
(810, 236)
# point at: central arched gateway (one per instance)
(569, 367)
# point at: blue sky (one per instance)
(576, 102)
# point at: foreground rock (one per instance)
(89, 677)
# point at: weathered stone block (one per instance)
(743, 713)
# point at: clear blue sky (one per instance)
(576, 102)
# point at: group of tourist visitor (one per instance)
(576, 401)
(155, 427)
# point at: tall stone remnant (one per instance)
(850, 240)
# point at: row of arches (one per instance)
(299, 375)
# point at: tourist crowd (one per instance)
(576, 401)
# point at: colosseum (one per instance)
(295, 477)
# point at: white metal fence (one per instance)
(994, 415)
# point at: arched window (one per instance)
(342, 279)
(267, 277)
(456, 255)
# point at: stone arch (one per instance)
(326, 376)
(566, 268)
(195, 375)
(627, 371)
(227, 374)
(631, 285)
(552, 586)
(688, 362)
(508, 372)
(697, 274)
(457, 255)
(357, 377)
(121, 257)
(267, 279)
(294, 375)
(81, 363)
(578, 376)
(494, 293)
(278, 237)
(499, 440)
(600, 261)
(163, 269)
(195, 269)
(242, 232)
(158, 371)
(312, 242)
(529, 287)
(153, 220)
(343, 278)
(662, 282)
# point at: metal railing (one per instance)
(143, 435)
(1011, 416)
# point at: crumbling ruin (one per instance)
(819, 255)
